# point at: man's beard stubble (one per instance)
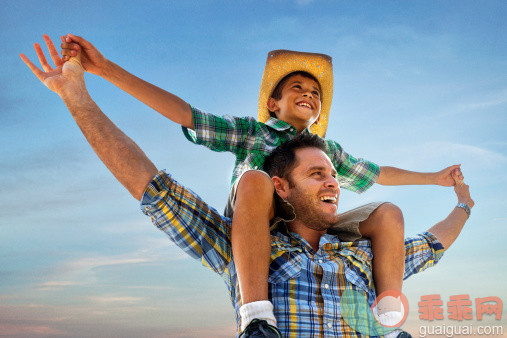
(307, 211)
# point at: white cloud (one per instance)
(446, 152)
(116, 299)
(486, 101)
(52, 285)
(24, 330)
(83, 271)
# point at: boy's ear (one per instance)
(317, 120)
(272, 105)
(281, 186)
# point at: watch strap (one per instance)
(464, 207)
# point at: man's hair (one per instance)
(282, 160)
(277, 92)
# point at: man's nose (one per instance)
(332, 182)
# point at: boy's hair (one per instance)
(282, 160)
(277, 92)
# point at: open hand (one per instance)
(92, 60)
(65, 76)
(445, 177)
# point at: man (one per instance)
(310, 269)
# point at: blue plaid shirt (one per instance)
(305, 286)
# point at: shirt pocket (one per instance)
(357, 269)
(286, 263)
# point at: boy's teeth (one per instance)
(303, 104)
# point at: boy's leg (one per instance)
(385, 229)
(251, 240)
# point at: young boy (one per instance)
(295, 97)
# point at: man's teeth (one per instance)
(304, 104)
(328, 199)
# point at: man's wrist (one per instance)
(76, 96)
(465, 207)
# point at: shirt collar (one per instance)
(280, 125)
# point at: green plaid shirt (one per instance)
(251, 141)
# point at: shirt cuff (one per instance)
(435, 245)
(192, 135)
(152, 194)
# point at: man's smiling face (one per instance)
(314, 190)
(299, 104)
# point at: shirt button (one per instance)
(326, 286)
(329, 325)
(146, 208)
(321, 261)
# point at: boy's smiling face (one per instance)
(299, 104)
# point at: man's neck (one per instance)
(310, 235)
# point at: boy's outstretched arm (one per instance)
(126, 161)
(449, 229)
(396, 176)
(167, 104)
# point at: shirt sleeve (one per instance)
(421, 252)
(354, 174)
(190, 223)
(219, 133)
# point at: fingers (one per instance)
(52, 51)
(45, 65)
(457, 177)
(69, 49)
(64, 57)
(456, 170)
(78, 39)
(70, 46)
(39, 73)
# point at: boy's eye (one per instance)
(316, 93)
(297, 86)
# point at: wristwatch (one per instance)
(464, 207)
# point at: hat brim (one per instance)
(280, 63)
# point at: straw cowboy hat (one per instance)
(283, 62)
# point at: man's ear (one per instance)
(281, 186)
(272, 105)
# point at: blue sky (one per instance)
(419, 85)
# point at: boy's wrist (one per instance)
(106, 70)
(433, 178)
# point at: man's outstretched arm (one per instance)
(126, 161)
(449, 229)
(426, 249)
